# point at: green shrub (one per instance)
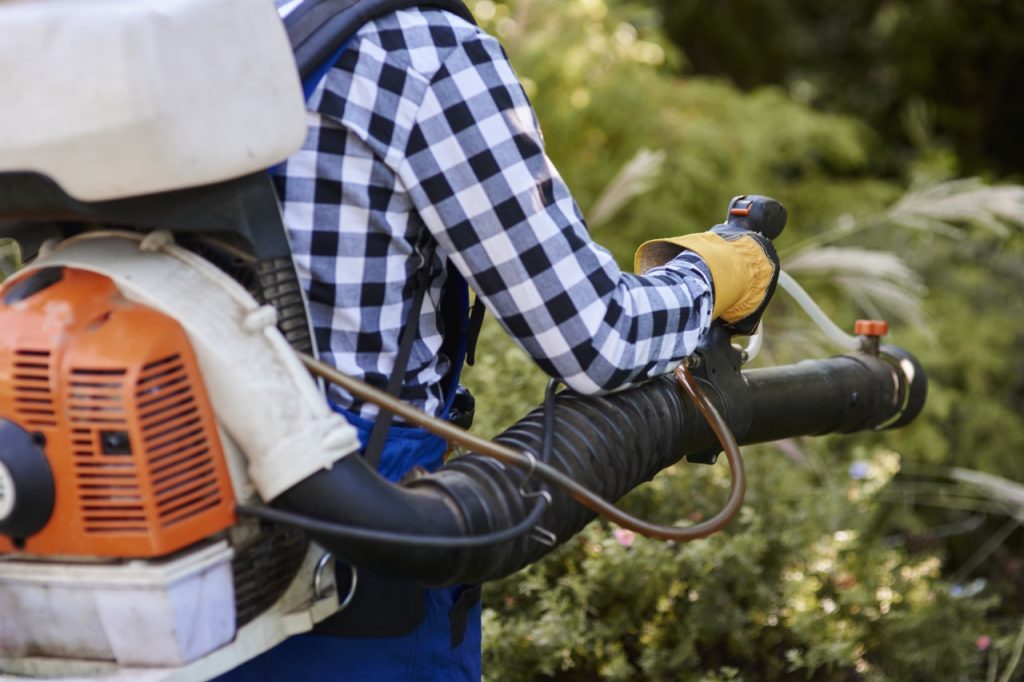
(796, 588)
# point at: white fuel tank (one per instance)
(119, 98)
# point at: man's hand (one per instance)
(744, 269)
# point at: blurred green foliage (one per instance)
(602, 90)
(845, 561)
(10, 257)
(919, 71)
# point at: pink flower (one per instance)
(624, 537)
(983, 642)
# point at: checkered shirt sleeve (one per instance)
(421, 131)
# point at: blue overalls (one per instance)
(427, 653)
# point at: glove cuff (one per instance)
(741, 270)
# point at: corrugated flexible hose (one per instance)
(484, 516)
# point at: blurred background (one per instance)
(893, 131)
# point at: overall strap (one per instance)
(318, 29)
(379, 433)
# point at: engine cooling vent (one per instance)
(33, 390)
(263, 569)
(110, 499)
(280, 288)
(181, 470)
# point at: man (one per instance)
(423, 151)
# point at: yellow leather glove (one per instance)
(744, 270)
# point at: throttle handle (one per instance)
(753, 213)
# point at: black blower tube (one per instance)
(610, 444)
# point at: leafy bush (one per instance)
(796, 588)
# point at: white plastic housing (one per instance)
(118, 98)
(294, 613)
(144, 613)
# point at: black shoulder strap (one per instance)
(379, 432)
(318, 28)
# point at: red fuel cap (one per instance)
(871, 328)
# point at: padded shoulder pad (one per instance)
(318, 28)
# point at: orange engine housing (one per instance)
(114, 391)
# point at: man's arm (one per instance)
(476, 169)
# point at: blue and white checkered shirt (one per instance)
(421, 132)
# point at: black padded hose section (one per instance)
(351, 493)
(610, 444)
